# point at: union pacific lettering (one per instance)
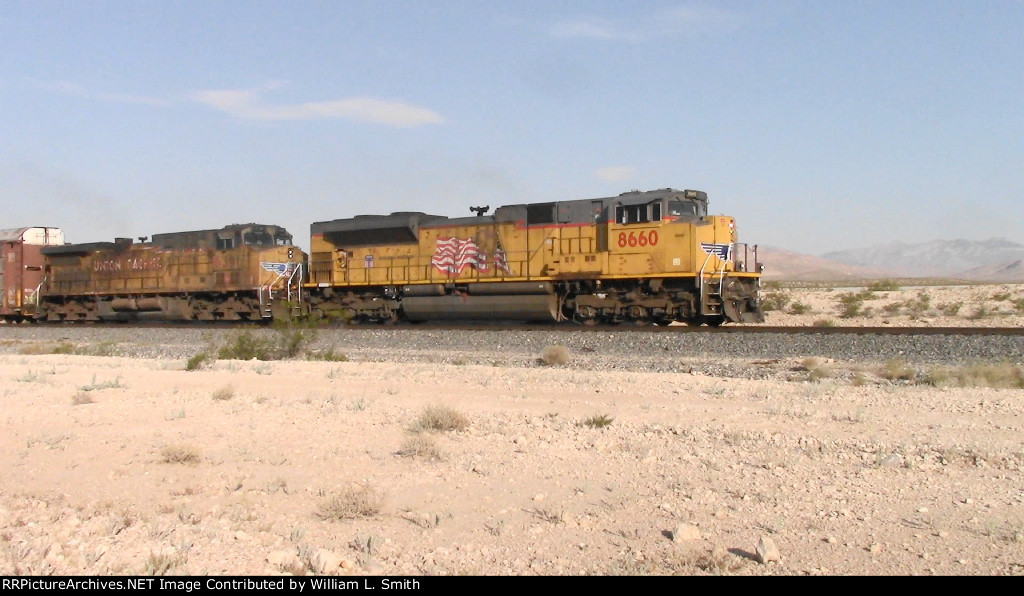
(154, 263)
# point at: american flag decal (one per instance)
(500, 260)
(452, 256)
(722, 251)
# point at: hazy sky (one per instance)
(818, 124)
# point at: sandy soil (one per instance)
(134, 466)
(990, 305)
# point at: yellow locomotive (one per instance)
(238, 272)
(642, 257)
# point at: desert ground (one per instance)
(620, 453)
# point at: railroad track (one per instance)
(573, 328)
(727, 329)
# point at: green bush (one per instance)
(799, 308)
(199, 361)
(884, 285)
(851, 304)
(247, 346)
(598, 421)
(774, 300)
(290, 342)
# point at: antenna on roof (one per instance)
(480, 211)
(143, 239)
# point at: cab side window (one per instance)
(225, 241)
(631, 214)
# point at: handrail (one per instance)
(38, 290)
(700, 278)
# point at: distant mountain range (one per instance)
(996, 259)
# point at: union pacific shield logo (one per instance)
(279, 268)
(722, 251)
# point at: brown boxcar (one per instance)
(22, 269)
(239, 272)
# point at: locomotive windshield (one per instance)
(260, 238)
(679, 208)
(266, 238)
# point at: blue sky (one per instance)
(820, 125)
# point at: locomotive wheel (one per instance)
(716, 321)
(585, 315)
(639, 315)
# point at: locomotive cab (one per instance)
(692, 205)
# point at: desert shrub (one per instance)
(555, 356)
(199, 361)
(351, 503)
(897, 369)
(980, 312)
(920, 303)
(851, 304)
(799, 308)
(598, 421)
(290, 341)
(441, 419)
(816, 368)
(1001, 296)
(1018, 303)
(247, 346)
(774, 300)
(824, 323)
(64, 348)
(180, 454)
(1005, 375)
(421, 446)
(328, 355)
(162, 564)
(293, 340)
(99, 385)
(950, 309)
(81, 398)
(884, 285)
(224, 393)
(104, 348)
(938, 376)
(893, 308)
